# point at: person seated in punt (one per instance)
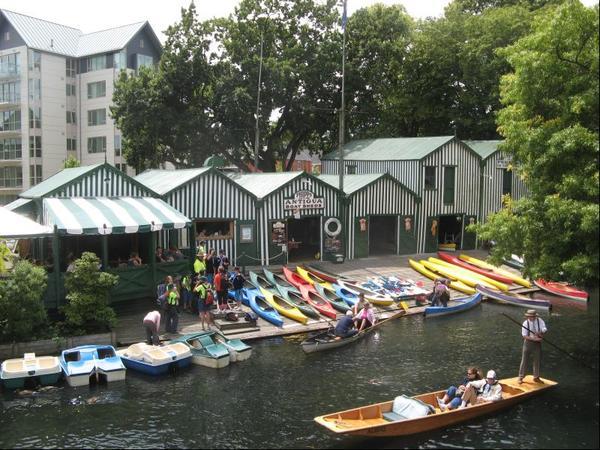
(452, 396)
(359, 305)
(366, 316)
(345, 327)
(482, 391)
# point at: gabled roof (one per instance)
(262, 185)
(56, 181)
(484, 149)
(51, 37)
(164, 181)
(391, 149)
(356, 182)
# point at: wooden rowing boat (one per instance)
(456, 306)
(511, 298)
(371, 421)
(328, 341)
(562, 289)
(484, 265)
(457, 285)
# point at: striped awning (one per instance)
(103, 215)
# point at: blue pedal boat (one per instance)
(91, 363)
(155, 360)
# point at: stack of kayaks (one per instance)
(458, 305)
(155, 360)
(465, 265)
(16, 372)
(505, 273)
(457, 285)
(510, 298)
(464, 275)
(283, 307)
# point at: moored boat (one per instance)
(562, 289)
(283, 307)
(238, 349)
(510, 298)
(205, 351)
(505, 273)
(91, 363)
(317, 302)
(457, 285)
(382, 419)
(465, 265)
(461, 272)
(16, 372)
(457, 305)
(336, 301)
(156, 360)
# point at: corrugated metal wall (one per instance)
(103, 183)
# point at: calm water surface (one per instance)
(270, 400)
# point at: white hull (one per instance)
(79, 380)
(113, 375)
(235, 356)
(213, 363)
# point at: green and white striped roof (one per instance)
(484, 149)
(262, 185)
(104, 215)
(355, 182)
(164, 181)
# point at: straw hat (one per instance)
(530, 313)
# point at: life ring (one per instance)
(338, 226)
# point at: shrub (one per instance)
(87, 288)
(22, 312)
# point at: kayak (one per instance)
(325, 275)
(313, 279)
(350, 297)
(317, 302)
(449, 273)
(296, 279)
(410, 415)
(296, 299)
(371, 296)
(260, 282)
(283, 307)
(510, 298)
(562, 289)
(456, 285)
(484, 265)
(337, 302)
(278, 280)
(259, 305)
(488, 273)
(456, 306)
(465, 272)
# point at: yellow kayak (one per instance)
(449, 273)
(283, 307)
(457, 285)
(461, 270)
(312, 279)
(505, 273)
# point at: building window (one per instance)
(71, 67)
(10, 148)
(449, 185)
(97, 89)
(71, 117)
(5, 199)
(96, 117)
(429, 177)
(35, 146)
(507, 178)
(10, 92)
(10, 120)
(71, 144)
(351, 170)
(35, 174)
(141, 43)
(96, 63)
(35, 117)
(10, 65)
(7, 36)
(121, 167)
(120, 60)
(144, 61)
(34, 60)
(118, 145)
(35, 89)
(96, 144)
(11, 177)
(214, 230)
(71, 90)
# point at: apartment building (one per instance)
(56, 87)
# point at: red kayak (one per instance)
(296, 279)
(316, 301)
(465, 265)
(562, 289)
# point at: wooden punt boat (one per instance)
(488, 273)
(328, 341)
(283, 307)
(458, 305)
(505, 273)
(510, 298)
(371, 420)
(371, 296)
(470, 280)
(466, 272)
(562, 289)
(317, 302)
(456, 285)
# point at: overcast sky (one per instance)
(91, 16)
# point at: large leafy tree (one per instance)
(550, 122)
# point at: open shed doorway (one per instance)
(304, 238)
(382, 235)
(451, 230)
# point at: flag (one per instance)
(344, 16)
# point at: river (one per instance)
(269, 401)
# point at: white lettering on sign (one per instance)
(503, 163)
(303, 200)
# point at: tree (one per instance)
(71, 162)
(550, 122)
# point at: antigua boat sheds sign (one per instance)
(303, 199)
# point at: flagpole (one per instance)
(343, 102)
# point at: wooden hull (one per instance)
(509, 298)
(479, 263)
(563, 290)
(368, 420)
(460, 263)
(456, 285)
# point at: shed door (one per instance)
(277, 239)
(361, 237)
(407, 242)
(469, 238)
(246, 243)
(431, 234)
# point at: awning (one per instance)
(16, 225)
(103, 215)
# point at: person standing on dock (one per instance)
(152, 325)
(532, 330)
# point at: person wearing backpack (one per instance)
(205, 301)
(238, 285)
(221, 286)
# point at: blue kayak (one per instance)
(461, 304)
(348, 296)
(259, 305)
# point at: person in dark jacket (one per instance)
(345, 326)
(238, 284)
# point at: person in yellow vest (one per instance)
(205, 301)
(172, 310)
(199, 265)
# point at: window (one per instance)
(7, 36)
(10, 148)
(34, 60)
(141, 43)
(71, 90)
(10, 92)
(449, 173)
(118, 145)
(351, 170)
(35, 117)
(5, 199)
(96, 144)
(71, 67)
(211, 230)
(144, 60)
(96, 117)
(71, 144)
(35, 89)
(71, 117)
(11, 177)
(429, 177)
(96, 63)
(10, 65)
(10, 120)
(35, 174)
(35, 146)
(120, 60)
(121, 167)
(507, 177)
(97, 89)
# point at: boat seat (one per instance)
(411, 408)
(156, 355)
(136, 351)
(393, 417)
(206, 341)
(14, 366)
(179, 348)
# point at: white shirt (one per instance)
(535, 326)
